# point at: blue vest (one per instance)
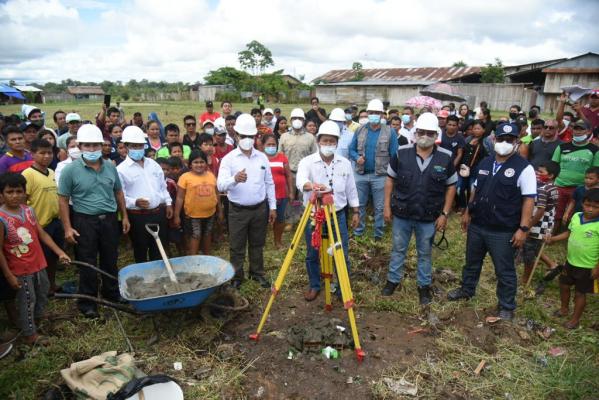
(420, 195)
(497, 199)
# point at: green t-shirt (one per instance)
(163, 152)
(526, 139)
(574, 161)
(583, 243)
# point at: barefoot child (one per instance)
(22, 259)
(582, 266)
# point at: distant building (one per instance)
(85, 92)
(35, 95)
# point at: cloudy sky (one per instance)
(181, 40)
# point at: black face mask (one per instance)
(38, 124)
(513, 115)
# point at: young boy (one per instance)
(582, 266)
(172, 137)
(170, 169)
(207, 147)
(176, 150)
(543, 217)
(43, 198)
(16, 158)
(22, 259)
(591, 181)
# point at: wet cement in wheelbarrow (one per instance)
(139, 288)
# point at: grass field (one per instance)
(517, 362)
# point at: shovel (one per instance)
(153, 230)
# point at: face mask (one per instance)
(209, 131)
(38, 124)
(579, 138)
(503, 148)
(513, 115)
(297, 124)
(328, 151)
(91, 155)
(374, 119)
(348, 117)
(425, 142)
(566, 122)
(383, 121)
(363, 121)
(136, 154)
(270, 150)
(246, 144)
(74, 153)
(405, 119)
(543, 178)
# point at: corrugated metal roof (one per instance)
(380, 83)
(85, 90)
(25, 88)
(427, 74)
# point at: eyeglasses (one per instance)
(427, 133)
(550, 127)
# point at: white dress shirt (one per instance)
(313, 169)
(59, 167)
(259, 184)
(143, 182)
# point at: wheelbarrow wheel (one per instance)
(223, 305)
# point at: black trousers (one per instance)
(97, 244)
(144, 245)
(247, 228)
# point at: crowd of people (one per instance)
(517, 181)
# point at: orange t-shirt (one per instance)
(200, 194)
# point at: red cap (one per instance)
(594, 92)
(443, 114)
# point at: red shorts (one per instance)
(564, 197)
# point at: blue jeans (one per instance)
(481, 241)
(402, 233)
(312, 255)
(367, 184)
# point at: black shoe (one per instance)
(457, 294)
(425, 296)
(389, 288)
(506, 315)
(91, 314)
(552, 273)
(236, 284)
(261, 280)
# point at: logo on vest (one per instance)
(439, 168)
(483, 172)
(509, 172)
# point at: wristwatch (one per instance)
(444, 213)
(524, 228)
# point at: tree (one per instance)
(358, 72)
(459, 64)
(256, 57)
(240, 80)
(493, 73)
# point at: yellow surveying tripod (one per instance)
(322, 206)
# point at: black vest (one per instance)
(420, 195)
(497, 199)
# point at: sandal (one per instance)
(552, 273)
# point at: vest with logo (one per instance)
(420, 195)
(382, 157)
(497, 200)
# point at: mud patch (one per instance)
(139, 288)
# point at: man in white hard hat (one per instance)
(95, 189)
(245, 175)
(371, 148)
(419, 192)
(345, 135)
(146, 197)
(296, 143)
(327, 170)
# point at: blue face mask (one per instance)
(374, 119)
(405, 119)
(348, 117)
(136, 154)
(91, 155)
(270, 150)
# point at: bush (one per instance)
(233, 97)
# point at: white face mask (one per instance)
(74, 153)
(297, 124)
(363, 121)
(246, 144)
(503, 148)
(566, 122)
(209, 131)
(328, 151)
(425, 142)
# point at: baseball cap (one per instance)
(594, 92)
(72, 117)
(581, 123)
(443, 114)
(277, 110)
(26, 125)
(507, 129)
(209, 103)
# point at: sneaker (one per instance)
(424, 295)
(552, 273)
(457, 294)
(389, 288)
(506, 315)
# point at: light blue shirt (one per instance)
(344, 141)
(372, 138)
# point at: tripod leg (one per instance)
(343, 277)
(327, 272)
(297, 237)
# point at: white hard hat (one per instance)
(428, 122)
(219, 123)
(245, 124)
(89, 133)
(375, 105)
(337, 114)
(328, 127)
(132, 134)
(72, 117)
(267, 111)
(297, 113)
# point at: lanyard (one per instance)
(326, 171)
(496, 167)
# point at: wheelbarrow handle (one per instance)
(153, 230)
(84, 264)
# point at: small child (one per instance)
(175, 234)
(197, 195)
(543, 217)
(207, 147)
(591, 181)
(175, 150)
(582, 266)
(22, 259)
